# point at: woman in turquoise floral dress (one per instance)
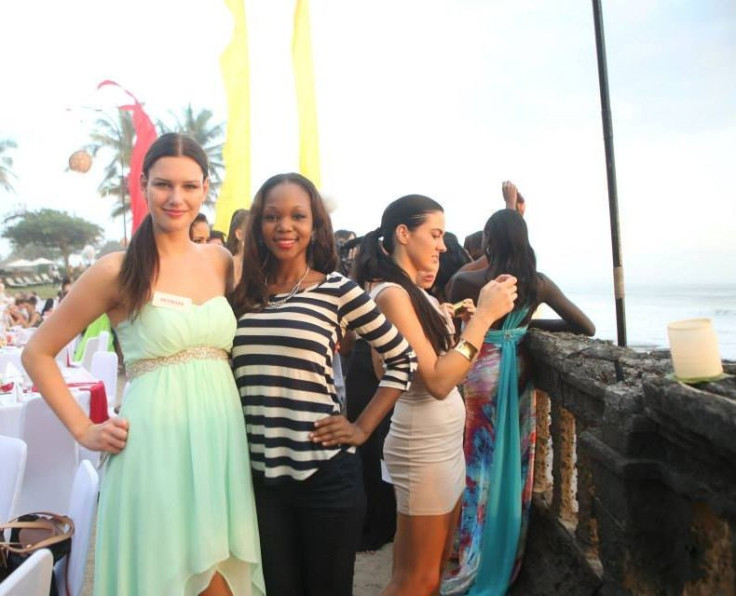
(176, 511)
(500, 423)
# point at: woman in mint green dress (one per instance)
(176, 511)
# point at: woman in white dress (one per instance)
(424, 447)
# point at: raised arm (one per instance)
(92, 295)
(441, 373)
(572, 318)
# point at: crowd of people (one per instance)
(27, 309)
(236, 465)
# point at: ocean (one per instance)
(650, 308)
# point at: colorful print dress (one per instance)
(500, 434)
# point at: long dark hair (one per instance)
(236, 223)
(506, 244)
(450, 262)
(375, 262)
(251, 294)
(140, 266)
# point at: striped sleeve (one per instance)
(362, 316)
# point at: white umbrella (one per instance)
(41, 261)
(19, 264)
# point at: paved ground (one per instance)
(372, 572)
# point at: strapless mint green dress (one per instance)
(176, 505)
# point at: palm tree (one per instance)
(198, 125)
(6, 164)
(115, 138)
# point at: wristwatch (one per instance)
(467, 349)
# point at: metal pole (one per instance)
(618, 269)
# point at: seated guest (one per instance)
(24, 313)
(48, 308)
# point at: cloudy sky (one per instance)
(446, 98)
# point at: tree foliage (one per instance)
(114, 139)
(53, 229)
(6, 164)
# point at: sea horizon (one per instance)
(650, 307)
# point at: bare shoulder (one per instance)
(392, 294)
(218, 254)
(106, 269)
(466, 284)
(96, 291)
(544, 286)
(394, 302)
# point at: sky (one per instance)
(444, 98)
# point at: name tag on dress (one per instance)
(171, 301)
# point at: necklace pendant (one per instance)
(291, 294)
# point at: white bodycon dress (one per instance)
(424, 447)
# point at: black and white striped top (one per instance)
(282, 359)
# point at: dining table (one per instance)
(88, 391)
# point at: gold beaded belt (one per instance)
(141, 367)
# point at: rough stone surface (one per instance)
(657, 460)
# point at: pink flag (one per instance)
(145, 135)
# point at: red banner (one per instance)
(145, 135)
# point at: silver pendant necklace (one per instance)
(290, 295)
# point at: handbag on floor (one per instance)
(31, 532)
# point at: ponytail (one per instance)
(140, 267)
(374, 263)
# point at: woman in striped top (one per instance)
(292, 311)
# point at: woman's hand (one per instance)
(111, 436)
(464, 310)
(334, 431)
(496, 298)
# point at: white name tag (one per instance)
(172, 301)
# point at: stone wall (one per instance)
(635, 488)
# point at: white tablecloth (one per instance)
(10, 354)
(10, 411)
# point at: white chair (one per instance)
(10, 420)
(52, 459)
(13, 454)
(105, 368)
(102, 340)
(89, 349)
(66, 356)
(82, 507)
(32, 578)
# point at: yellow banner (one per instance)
(301, 49)
(235, 190)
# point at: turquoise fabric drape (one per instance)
(503, 515)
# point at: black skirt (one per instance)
(380, 517)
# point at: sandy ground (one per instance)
(372, 572)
